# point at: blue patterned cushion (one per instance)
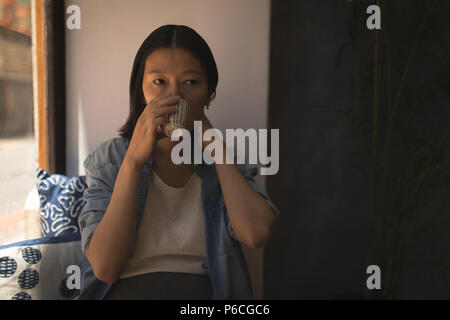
(61, 201)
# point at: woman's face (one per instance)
(176, 72)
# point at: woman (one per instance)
(153, 229)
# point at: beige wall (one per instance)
(100, 56)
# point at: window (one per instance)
(18, 152)
(32, 107)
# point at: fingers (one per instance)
(157, 111)
(160, 117)
(160, 121)
(161, 105)
(163, 110)
(165, 101)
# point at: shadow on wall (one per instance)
(364, 150)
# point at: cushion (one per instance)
(38, 269)
(61, 201)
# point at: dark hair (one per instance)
(167, 36)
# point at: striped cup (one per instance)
(179, 119)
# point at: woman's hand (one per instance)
(206, 124)
(149, 128)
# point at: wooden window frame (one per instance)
(49, 90)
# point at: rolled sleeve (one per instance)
(97, 195)
(249, 171)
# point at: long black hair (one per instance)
(167, 36)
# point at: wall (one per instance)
(100, 56)
(321, 247)
(317, 249)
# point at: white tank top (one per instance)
(171, 235)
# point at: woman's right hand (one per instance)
(149, 128)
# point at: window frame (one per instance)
(49, 89)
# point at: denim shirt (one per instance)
(226, 263)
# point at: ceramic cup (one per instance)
(179, 119)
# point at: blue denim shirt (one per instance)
(226, 263)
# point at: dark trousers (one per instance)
(162, 286)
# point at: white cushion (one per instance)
(36, 269)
